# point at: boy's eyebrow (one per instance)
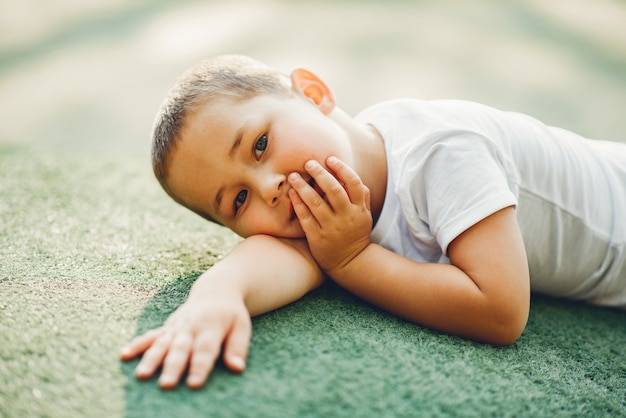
(237, 141)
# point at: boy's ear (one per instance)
(309, 85)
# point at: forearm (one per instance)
(265, 271)
(438, 296)
(483, 294)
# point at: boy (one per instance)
(445, 213)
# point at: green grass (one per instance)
(93, 253)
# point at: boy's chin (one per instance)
(295, 231)
(295, 235)
(288, 233)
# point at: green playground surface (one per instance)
(93, 252)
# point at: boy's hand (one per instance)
(192, 338)
(337, 219)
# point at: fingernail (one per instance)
(166, 380)
(332, 160)
(293, 177)
(194, 381)
(309, 164)
(141, 370)
(238, 362)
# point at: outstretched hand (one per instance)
(335, 213)
(192, 339)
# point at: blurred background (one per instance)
(89, 75)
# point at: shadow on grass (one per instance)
(219, 397)
(330, 354)
(144, 398)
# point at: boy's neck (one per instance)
(370, 162)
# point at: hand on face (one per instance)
(338, 224)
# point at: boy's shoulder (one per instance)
(410, 105)
(412, 116)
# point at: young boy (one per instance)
(445, 213)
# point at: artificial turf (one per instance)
(93, 253)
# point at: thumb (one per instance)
(367, 197)
(237, 345)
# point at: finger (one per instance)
(206, 348)
(237, 345)
(309, 199)
(302, 211)
(176, 360)
(139, 344)
(332, 189)
(351, 181)
(153, 357)
(367, 197)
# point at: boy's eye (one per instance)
(240, 199)
(259, 146)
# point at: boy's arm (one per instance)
(263, 273)
(268, 272)
(483, 295)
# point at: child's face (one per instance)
(233, 158)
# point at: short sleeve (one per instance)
(453, 181)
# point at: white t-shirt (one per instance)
(453, 163)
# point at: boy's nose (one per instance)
(272, 187)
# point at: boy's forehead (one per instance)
(211, 123)
(217, 122)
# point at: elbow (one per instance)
(504, 337)
(507, 324)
